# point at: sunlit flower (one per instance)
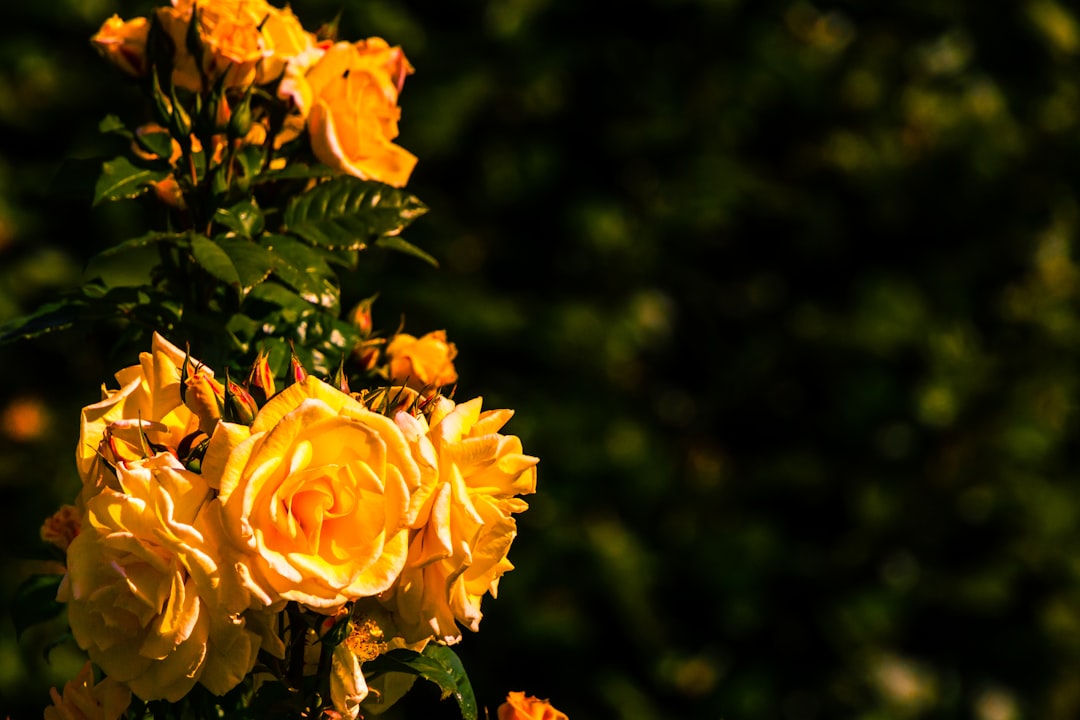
(316, 495)
(348, 96)
(150, 596)
(466, 525)
(422, 363)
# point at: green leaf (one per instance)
(242, 330)
(250, 161)
(48, 318)
(120, 178)
(215, 260)
(35, 601)
(280, 296)
(349, 214)
(438, 664)
(304, 269)
(396, 242)
(142, 241)
(159, 143)
(113, 124)
(244, 218)
(253, 263)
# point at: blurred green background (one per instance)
(787, 300)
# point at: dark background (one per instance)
(785, 296)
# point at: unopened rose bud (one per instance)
(240, 406)
(162, 103)
(297, 373)
(169, 192)
(216, 111)
(360, 316)
(341, 378)
(240, 122)
(180, 120)
(261, 378)
(205, 397)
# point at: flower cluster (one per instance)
(387, 517)
(344, 95)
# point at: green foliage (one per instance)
(438, 664)
(349, 214)
(121, 178)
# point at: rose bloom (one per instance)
(348, 96)
(316, 496)
(146, 411)
(83, 700)
(422, 363)
(247, 41)
(519, 706)
(123, 43)
(151, 597)
(466, 525)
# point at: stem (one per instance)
(297, 642)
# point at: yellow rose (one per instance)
(316, 495)
(144, 416)
(123, 43)
(519, 706)
(422, 363)
(465, 526)
(286, 38)
(150, 596)
(247, 41)
(349, 97)
(83, 700)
